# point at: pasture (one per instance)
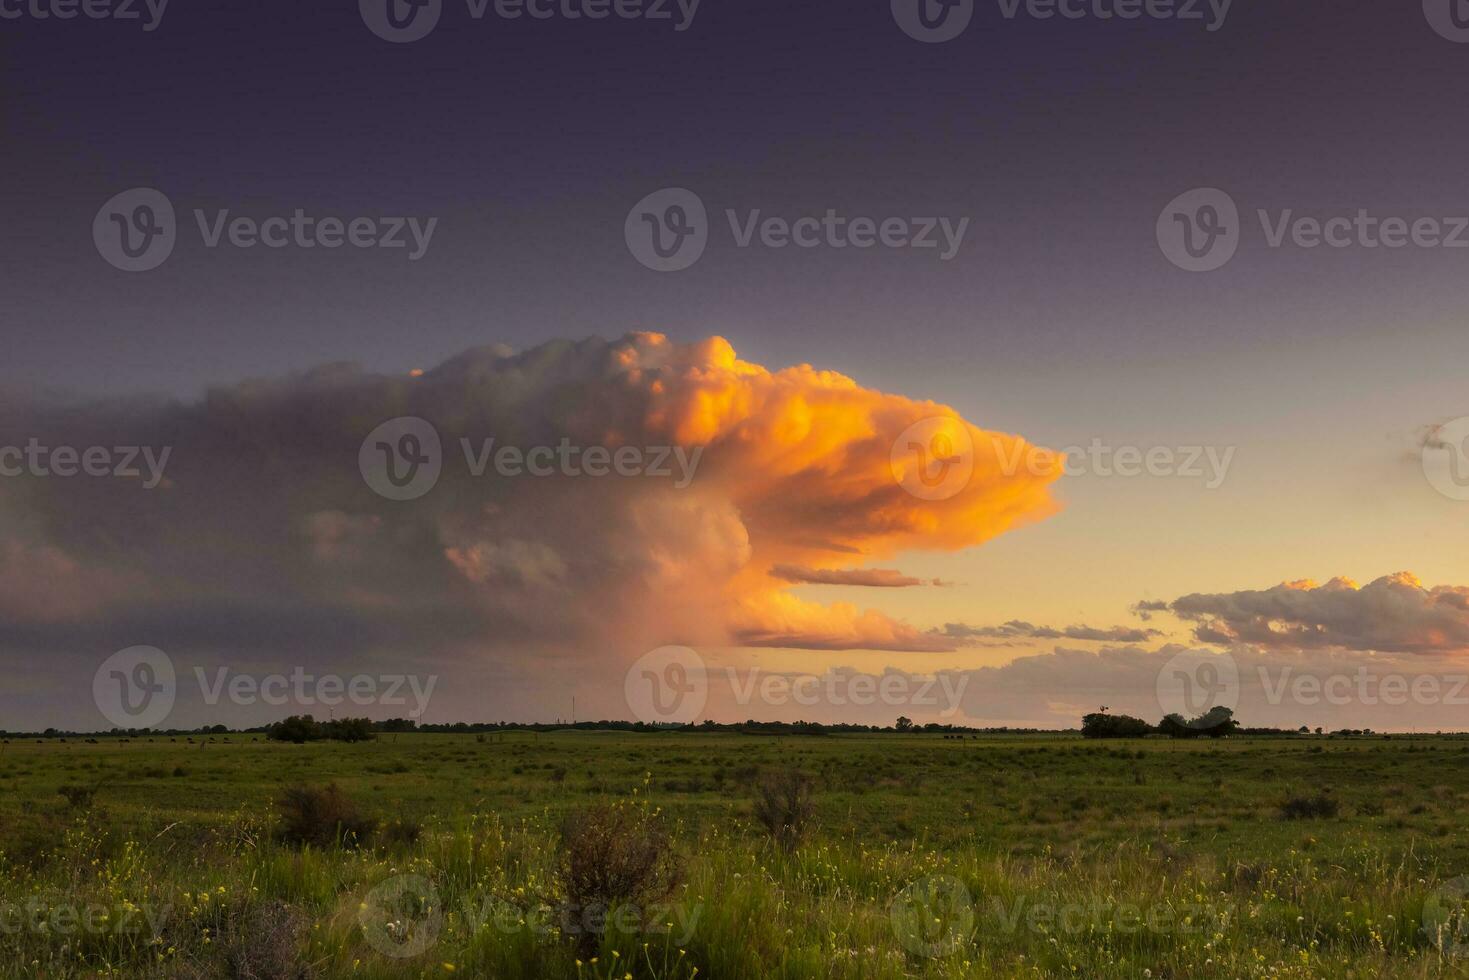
(917, 856)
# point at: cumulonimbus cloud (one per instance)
(264, 540)
(1394, 614)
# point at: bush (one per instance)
(78, 797)
(299, 729)
(401, 832)
(784, 807)
(264, 945)
(1309, 807)
(1215, 723)
(349, 730)
(321, 817)
(1100, 725)
(614, 855)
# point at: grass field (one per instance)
(925, 857)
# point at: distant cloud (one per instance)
(1394, 614)
(1275, 688)
(1019, 629)
(1144, 610)
(881, 578)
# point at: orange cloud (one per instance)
(807, 458)
(267, 519)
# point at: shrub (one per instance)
(78, 797)
(299, 729)
(1309, 807)
(784, 807)
(349, 730)
(614, 855)
(263, 945)
(1100, 725)
(321, 817)
(401, 832)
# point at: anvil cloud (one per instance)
(264, 542)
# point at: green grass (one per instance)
(1037, 857)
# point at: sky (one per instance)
(1301, 400)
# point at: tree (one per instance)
(1216, 722)
(297, 728)
(1102, 725)
(350, 730)
(905, 724)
